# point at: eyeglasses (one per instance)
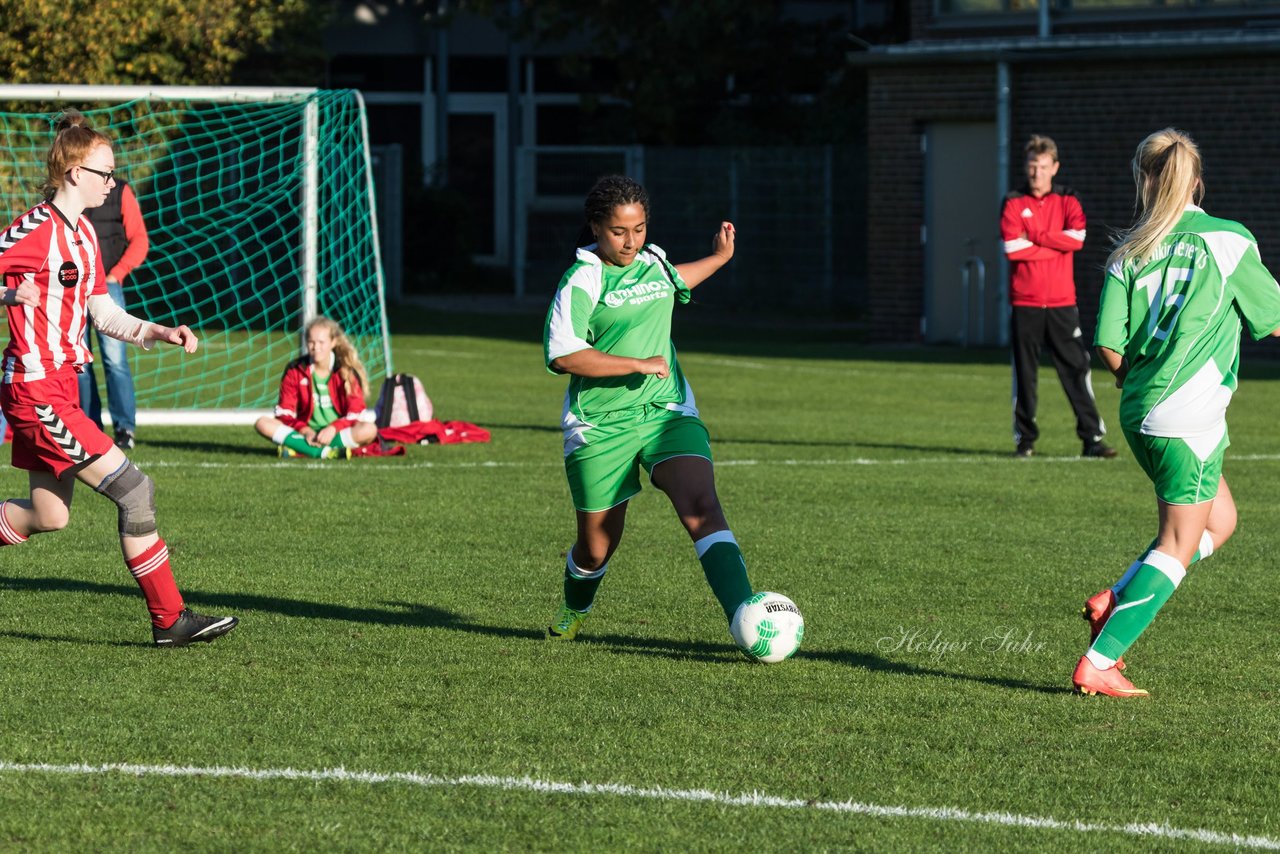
(106, 176)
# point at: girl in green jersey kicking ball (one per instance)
(628, 405)
(1180, 286)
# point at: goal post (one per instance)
(260, 214)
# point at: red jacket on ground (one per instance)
(298, 402)
(1041, 237)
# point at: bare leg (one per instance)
(1222, 518)
(267, 426)
(364, 432)
(599, 534)
(47, 509)
(1181, 526)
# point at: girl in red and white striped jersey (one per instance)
(53, 285)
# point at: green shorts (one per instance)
(1180, 475)
(605, 471)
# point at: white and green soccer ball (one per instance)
(767, 627)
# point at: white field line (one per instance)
(753, 799)
(331, 465)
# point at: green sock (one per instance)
(725, 569)
(336, 441)
(580, 585)
(1138, 604)
(1205, 550)
(295, 442)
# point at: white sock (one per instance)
(1099, 660)
(1206, 545)
(584, 574)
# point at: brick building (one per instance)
(950, 109)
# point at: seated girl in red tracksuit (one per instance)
(321, 403)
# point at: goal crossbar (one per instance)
(209, 94)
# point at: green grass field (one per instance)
(390, 648)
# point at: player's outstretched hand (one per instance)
(722, 243)
(180, 336)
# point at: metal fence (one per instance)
(799, 214)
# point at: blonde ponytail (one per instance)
(1166, 173)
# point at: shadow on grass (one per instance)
(31, 636)
(877, 664)
(701, 651)
(414, 615)
(541, 428)
(204, 447)
(394, 614)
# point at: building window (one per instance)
(987, 7)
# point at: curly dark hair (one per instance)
(610, 192)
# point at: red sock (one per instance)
(8, 536)
(151, 570)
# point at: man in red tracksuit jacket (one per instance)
(1043, 225)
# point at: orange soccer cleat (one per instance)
(1090, 680)
(1097, 610)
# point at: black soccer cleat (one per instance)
(191, 627)
(1099, 450)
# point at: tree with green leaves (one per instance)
(172, 42)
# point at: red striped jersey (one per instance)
(61, 259)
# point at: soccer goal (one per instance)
(259, 207)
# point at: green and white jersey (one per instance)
(324, 413)
(1177, 319)
(622, 311)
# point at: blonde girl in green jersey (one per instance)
(1181, 285)
(628, 406)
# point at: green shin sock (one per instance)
(725, 569)
(1205, 550)
(1138, 604)
(295, 442)
(580, 586)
